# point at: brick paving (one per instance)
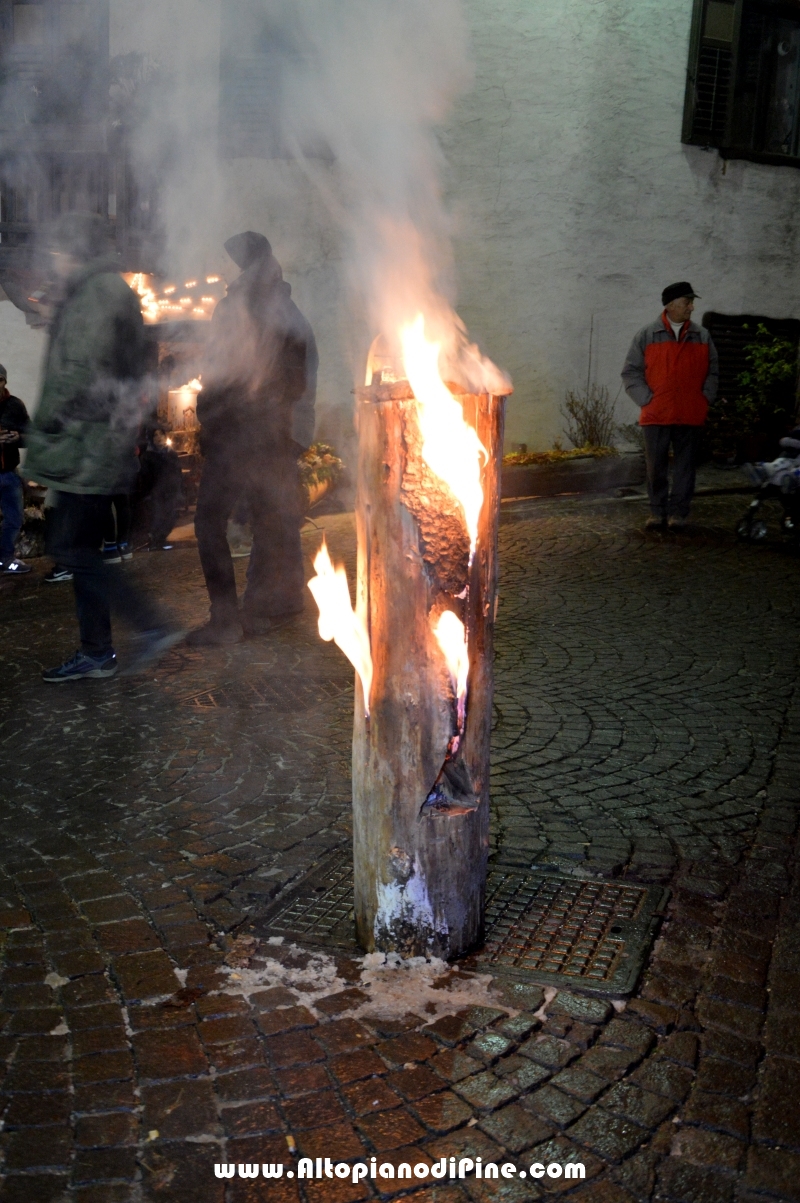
(646, 728)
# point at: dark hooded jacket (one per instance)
(13, 416)
(83, 435)
(259, 381)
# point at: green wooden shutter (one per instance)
(712, 66)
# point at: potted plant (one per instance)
(320, 472)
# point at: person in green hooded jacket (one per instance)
(82, 441)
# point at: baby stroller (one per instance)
(778, 480)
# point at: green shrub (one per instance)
(766, 402)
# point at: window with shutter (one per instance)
(743, 81)
(709, 89)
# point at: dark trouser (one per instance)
(74, 538)
(275, 579)
(164, 501)
(11, 508)
(118, 526)
(685, 441)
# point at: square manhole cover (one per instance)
(561, 931)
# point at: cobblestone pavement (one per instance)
(646, 728)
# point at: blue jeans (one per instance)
(74, 538)
(11, 508)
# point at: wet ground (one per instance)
(646, 729)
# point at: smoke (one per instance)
(334, 108)
(165, 74)
(367, 82)
(353, 94)
(371, 80)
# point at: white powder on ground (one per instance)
(395, 986)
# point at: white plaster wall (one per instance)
(575, 197)
(21, 354)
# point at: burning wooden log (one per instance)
(427, 587)
(421, 639)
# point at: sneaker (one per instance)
(111, 554)
(215, 634)
(14, 568)
(159, 547)
(677, 523)
(126, 551)
(81, 666)
(655, 523)
(151, 646)
(57, 574)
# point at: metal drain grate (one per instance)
(543, 927)
(593, 933)
(317, 912)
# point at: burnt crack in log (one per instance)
(452, 792)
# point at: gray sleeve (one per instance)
(633, 377)
(712, 379)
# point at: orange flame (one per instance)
(337, 619)
(452, 639)
(165, 307)
(450, 446)
(140, 283)
(191, 386)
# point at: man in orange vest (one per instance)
(672, 372)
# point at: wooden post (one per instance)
(421, 818)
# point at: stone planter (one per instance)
(581, 475)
